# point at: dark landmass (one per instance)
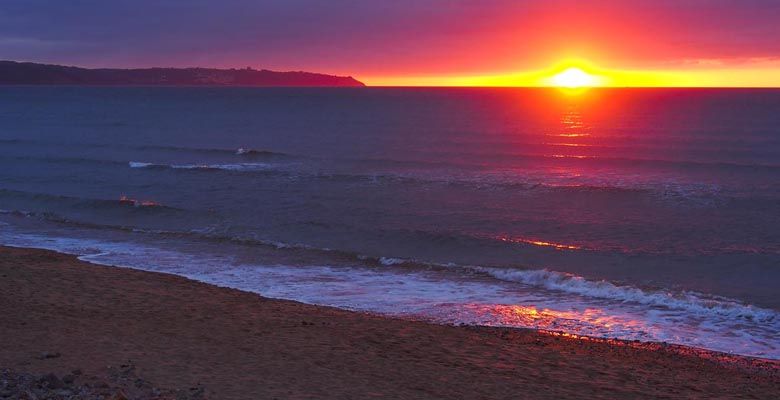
(79, 331)
(24, 73)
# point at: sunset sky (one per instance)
(413, 42)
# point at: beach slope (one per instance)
(60, 314)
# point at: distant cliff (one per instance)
(19, 73)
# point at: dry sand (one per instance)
(179, 333)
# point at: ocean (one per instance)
(638, 214)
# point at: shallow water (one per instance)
(641, 214)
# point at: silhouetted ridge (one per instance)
(24, 73)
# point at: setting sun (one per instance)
(573, 78)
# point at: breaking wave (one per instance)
(686, 301)
(123, 202)
(241, 151)
(686, 192)
(207, 167)
(622, 312)
(179, 149)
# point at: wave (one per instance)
(58, 219)
(686, 301)
(247, 167)
(447, 299)
(460, 156)
(201, 234)
(515, 181)
(241, 151)
(680, 163)
(252, 152)
(449, 239)
(590, 159)
(693, 192)
(390, 261)
(138, 164)
(607, 160)
(138, 203)
(65, 160)
(689, 302)
(12, 141)
(122, 202)
(207, 167)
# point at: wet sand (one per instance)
(61, 314)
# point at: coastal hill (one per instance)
(25, 73)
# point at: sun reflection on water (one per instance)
(572, 128)
(590, 321)
(570, 144)
(559, 246)
(572, 119)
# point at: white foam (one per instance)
(137, 164)
(687, 301)
(389, 261)
(530, 299)
(226, 167)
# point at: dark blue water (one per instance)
(650, 214)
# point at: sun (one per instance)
(573, 77)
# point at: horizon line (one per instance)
(607, 86)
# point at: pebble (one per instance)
(46, 355)
(24, 386)
(68, 379)
(50, 381)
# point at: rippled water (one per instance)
(641, 214)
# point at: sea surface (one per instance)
(641, 214)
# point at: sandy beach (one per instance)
(61, 314)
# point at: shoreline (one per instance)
(675, 347)
(181, 333)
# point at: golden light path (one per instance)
(558, 246)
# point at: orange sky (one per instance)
(623, 43)
(757, 73)
(415, 42)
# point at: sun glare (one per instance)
(573, 78)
